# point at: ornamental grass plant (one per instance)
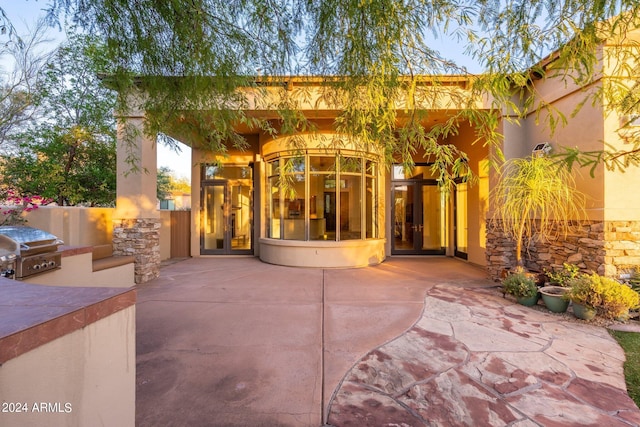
(536, 197)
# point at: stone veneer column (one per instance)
(141, 238)
(136, 220)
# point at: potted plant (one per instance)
(553, 294)
(611, 299)
(584, 297)
(535, 197)
(554, 298)
(522, 287)
(563, 276)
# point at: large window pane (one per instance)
(371, 209)
(317, 220)
(351, 207)
(329, 206)
(294, 206)
(273, 209)
(461, 218)
(231, 172)
(351, 165)
(333, 208)
(322, 163)
(432, 232)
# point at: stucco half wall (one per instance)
(343, 254)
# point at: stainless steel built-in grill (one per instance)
(26, 251)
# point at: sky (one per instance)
(24, 15)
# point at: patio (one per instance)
(420, 341)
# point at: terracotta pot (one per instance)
(553, 297)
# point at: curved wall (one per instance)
(343, 254)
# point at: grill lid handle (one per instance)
(25, 247)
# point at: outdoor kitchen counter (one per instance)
(33, 315)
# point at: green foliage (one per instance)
(69, 153)
(378, 61)
(611, 298)
(520, 285)
(563, 275)
(535, 197)
(387, 72)
(630, 343)
(167, 183)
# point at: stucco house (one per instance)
(339, 205)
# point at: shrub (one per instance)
(582, 291)
(611, 298)
(519, 285)
(564, 275)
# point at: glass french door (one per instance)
(226, 218)
(419, 218)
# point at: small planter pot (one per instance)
(583, 312)
(528, 301)
(553, 297)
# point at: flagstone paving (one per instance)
(415, 341)
(476, 359)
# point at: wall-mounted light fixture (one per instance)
(541, 150)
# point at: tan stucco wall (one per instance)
(77, 271)
(584, 129)
(90, 373)
(76, 226)
(136, 189)
(165, 235)
(477, 194)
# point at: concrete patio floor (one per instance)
(414, 341)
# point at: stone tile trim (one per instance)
(608, 248)
(139, 237)
(475, 358)
(35, 315)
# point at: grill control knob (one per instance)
(52, 264)
(44, 265)
(36, 267)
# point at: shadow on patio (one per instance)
(236, 342)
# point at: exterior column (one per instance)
(136, 221)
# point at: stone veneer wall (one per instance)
(139, 237)
(609, 248)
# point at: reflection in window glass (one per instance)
(418, 172)
(273, 214)
(322, 163)
(370, 203)
(461, 218)
(351, 208)
(233, 172)
(333, 209)
(294, 206)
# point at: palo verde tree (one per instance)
(69, 153)
(19, 79)
(373, 55)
